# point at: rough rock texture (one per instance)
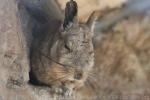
(15, 38)
(13, 53)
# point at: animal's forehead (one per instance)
(79, 41)
(76, 29)
(79, 35)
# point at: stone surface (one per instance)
(15, 38)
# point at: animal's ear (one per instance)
(99, 22)
(96, 24)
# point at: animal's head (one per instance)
(76, 52)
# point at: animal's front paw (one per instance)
(57, 90)
(67, 92)
(64, 91)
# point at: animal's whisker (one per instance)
(92, 74)
(91, 83)
(63, 75)
(60, 78)
(87, 84)
(94, 80)
(60, 72)
(64, 72)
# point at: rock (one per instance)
(16, 28)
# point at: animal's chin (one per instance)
(73, 84)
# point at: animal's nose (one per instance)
(78, 76)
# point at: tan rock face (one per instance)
(87, 7)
